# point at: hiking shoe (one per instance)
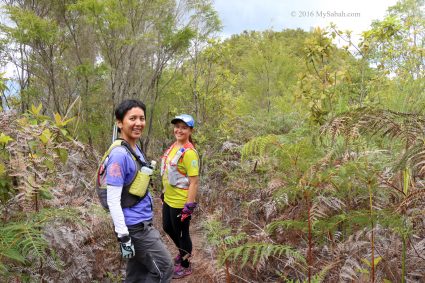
(178, 260)
(180, 271)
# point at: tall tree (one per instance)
(396, 46)
(82, 57)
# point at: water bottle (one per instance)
(141, 182)
(153, 164)
(146, 173)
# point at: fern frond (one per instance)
(349, 270)
(235, 239)
(331, 202)
(288, 194)
(258, 146)
(287, 224)
(49, 214)
(391, 124)
(420, 194)
(413, 157)
(53, 262)
(215, 231)
(320, 277)
(255, 252)
(33, 244)
(329, 224)
(317, 211)
(25, 239)
(12, 254)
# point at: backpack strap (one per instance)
(179, 155)
(125, 144)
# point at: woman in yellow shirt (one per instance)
(180, 178)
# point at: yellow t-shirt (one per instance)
(189, 164)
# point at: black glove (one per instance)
(126, 247)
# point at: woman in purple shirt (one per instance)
(149, 260)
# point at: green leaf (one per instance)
(367, 262)
(406, 180)
(64, 123)
(64, 132)
(63, 154)
(377, 260)
(49, 164)
(60, 122)
(33, 122)
(45, 136)
(33, 145)
(58, 119)
(4, 139)
(13, 254)
(364, 271)
(35, 110)
(45, 193)
(2, 169)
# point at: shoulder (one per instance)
(191, 153)
(119, 151)
(119, 154)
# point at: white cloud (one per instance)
(240, 15)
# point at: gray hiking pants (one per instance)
(152, 262)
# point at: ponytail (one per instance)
(191, 141)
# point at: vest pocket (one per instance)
(172, 175)
(140, 184)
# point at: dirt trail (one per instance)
(203, 266)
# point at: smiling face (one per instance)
(132, 125)
(182, 132)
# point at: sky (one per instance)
(259, 15)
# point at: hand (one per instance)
(162, 198)
(126, 247)
(188, 209)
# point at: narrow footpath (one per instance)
(204, 268)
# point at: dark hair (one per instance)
(191, 140)
(126, 106)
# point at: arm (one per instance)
(191, 164)
(115, 173)
(193, 188)
(114, 204)
(191, 204)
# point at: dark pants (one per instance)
(177, 230)
(152, 262)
